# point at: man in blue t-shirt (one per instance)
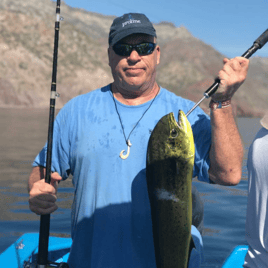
(101, 139)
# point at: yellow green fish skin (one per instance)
(169, 170)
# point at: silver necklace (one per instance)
(122, 155)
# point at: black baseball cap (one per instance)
(128, 24)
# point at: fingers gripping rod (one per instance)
(259, 43)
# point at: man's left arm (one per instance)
(226, 152)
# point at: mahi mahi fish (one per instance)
(169, 170)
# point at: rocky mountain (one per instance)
(188, 65)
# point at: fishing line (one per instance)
(258, 44)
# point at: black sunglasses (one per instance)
(143, 49)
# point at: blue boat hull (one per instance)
(236, 258)
(25, 249)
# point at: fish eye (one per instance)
(173, 133)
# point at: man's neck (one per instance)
(139, 97)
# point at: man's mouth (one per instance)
(134, 70)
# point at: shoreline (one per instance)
(43, 108)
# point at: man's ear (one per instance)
(158, 54)
(109, 55)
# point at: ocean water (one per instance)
(24, 132)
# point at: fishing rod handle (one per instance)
(259, 43)
(262, 39)
(212, 89)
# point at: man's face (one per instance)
(134, 72)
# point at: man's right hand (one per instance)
(43, 196)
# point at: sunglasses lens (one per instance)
(122, 49)
(142, 49)
(145, 48)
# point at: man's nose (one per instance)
(134, 56)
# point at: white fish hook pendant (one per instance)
(122, 156)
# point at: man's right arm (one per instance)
(42, 196)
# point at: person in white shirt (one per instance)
(257, 213)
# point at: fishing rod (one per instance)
(258, 44)
(42, 260)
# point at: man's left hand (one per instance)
(232, 76)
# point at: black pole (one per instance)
(259, 43)
(42, 260)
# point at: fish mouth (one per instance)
(174, 125)
(183, 122)
(180, 119)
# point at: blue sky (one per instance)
(230, 26)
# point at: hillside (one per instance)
(188, 65)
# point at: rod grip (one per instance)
(212, 89)
(259, 43)
(262, 39)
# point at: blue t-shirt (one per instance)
(111, 218)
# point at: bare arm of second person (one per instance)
(226, 152)
(42, 196)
